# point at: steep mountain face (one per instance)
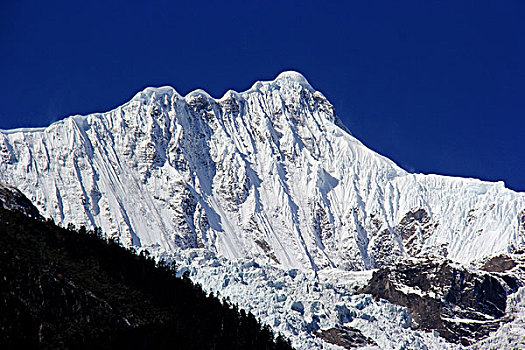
(269, 173)
(265, 198)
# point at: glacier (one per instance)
(269, 175)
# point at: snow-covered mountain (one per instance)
(269, 174)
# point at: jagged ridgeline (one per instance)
(269, 173)
(74, 289)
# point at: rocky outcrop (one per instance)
(347, 337)
(462, 305)
(500, 263)
(415, 228)
(12, 199)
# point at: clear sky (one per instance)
(437, 86)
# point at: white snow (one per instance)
(295, 302)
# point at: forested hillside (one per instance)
(68, 288)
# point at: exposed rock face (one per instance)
(347, 337)
(462, 305)
(521, 228)
(415, 228)
(500, 263)
(12, 199)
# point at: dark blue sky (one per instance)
(437, 86)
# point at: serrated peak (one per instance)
(198, 93)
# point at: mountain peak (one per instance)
(198, 93)
(154, 92)
(293, 77)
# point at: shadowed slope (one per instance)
(72, 289)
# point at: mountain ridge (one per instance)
(249, 151)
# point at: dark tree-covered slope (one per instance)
(73, 289)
